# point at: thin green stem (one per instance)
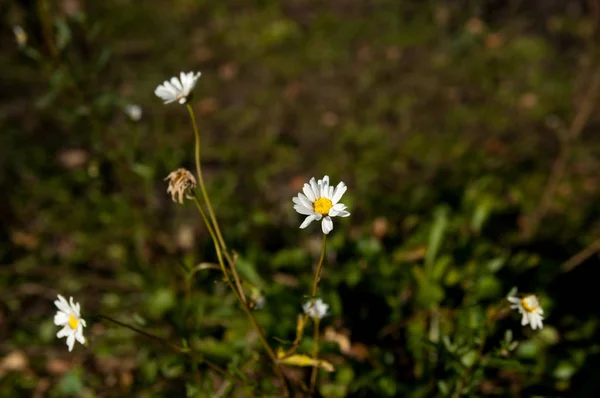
(175, 347)
(213, 236)
(144, 333)
(313, 376)
(313, 296)
(318, 273)
(201, 181)
(221, 249)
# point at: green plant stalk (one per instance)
(211, 213)
(313, 296)
(217, 237)
(318, 273)
(175, 347)
(201, 181)
(315, 369)
(214, 238)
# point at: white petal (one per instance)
(303, 210)
(62, 304)
(307, 221)
(309, 192)
(79, 335)
(327, 225)
(514, 300)
(71, 341)
(176, 83)
(339, 191)
(74, 307)
(305, 200)
(61, 319)
(82, 321)
(182, 100)
(524, 320)
(325, 187)
(315, 189)
(65, 331)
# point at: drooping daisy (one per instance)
(177, 89)
(181, 181)
(529, 307)
(320, 201)
(318, 310)
(69, 317)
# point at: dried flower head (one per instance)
(69, 317)
(529, 307)
(181, 182)
(177, 89)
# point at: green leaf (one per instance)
(436, 236)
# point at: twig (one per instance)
(560, 164)
(580, 257)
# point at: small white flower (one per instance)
(317, 310)
(181, 182)
(20, 36)
(177, 89)
(320, 201)
(69, 317)
(529, 308)
(134, 112)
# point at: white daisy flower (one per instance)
(317, 310)
(134, 112)
(69, 317)
(177, 89)
(320, 201)
(529, 308)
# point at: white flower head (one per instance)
(69, 317)
(177, 89)
(320, 201)
(529, 307)
(20, 36)
(181, 182)
(134, 112)
(318, 310)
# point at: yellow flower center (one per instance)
(530, 303)
(73, 322)
(322, 206)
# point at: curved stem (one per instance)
(221, 249)
(313, 376)
(175, 347)
(201, 181)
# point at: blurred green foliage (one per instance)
(443, 118)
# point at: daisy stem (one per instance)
(220, 247)
(318, 273)
(313, 376)
(202, 185)
(313, 296)
(214, 238)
